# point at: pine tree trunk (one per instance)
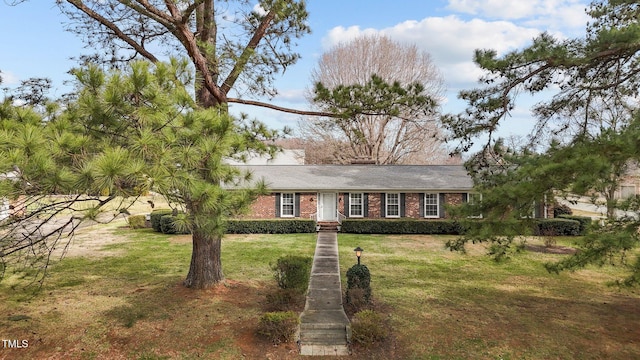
(205, 270)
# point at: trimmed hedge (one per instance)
(557, 227)
(569, 226)
(156, 216)
(285, 226)
(137, 221)
(585, 222)
(401, 226)
(167, 226)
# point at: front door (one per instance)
(327, 207)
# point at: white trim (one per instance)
(430, 204)
(361, 205)
(469, 198)
(293, 205)
(334, 206)
(386, 205)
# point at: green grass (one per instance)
(448, 305)
(128, 302)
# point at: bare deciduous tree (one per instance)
(409, 136)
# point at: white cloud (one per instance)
(566, 17)
(295, 96)
(450, 40)
(504, 9)
(517, 10)
(340, 34)
(8, 78)
(258, 9)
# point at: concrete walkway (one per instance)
(324, 326)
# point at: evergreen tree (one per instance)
(579, 152)
(128, 132)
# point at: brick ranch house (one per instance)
(330, 193)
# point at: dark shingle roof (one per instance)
(363, 177)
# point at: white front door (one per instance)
(327, 207)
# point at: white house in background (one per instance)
(284, 157)
(5, 204)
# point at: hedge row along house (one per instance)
(332, 193)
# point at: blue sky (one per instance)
(34, 43)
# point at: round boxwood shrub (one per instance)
(293, 272)
(358, 285)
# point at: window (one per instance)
(393, 205)
(474, 199)
(431, 205)
(287, 205)
(356, 205)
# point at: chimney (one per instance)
(363, 160)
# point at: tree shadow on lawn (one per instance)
(515, 323)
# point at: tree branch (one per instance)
(282, 109)
(248, 51)
(111, 26)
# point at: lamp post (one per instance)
(358, 251)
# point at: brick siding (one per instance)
(265, 206)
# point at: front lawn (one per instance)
(125, 300)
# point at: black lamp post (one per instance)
(358, 251)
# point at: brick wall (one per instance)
(264, 206)
(412, 205)
(308, 205)
(374, 205)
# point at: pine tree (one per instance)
(128, 132)
(576, 148)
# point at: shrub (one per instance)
(358, 286)
(167, 225)
(561, 209)
(284, 226)
(368, 328)
(293, 272)
(136, 221)
(556, 227)
(585, 222)
(156, 216)
(279, 327)
(401, 226)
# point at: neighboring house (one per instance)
(335, 192)
(283, 157)
(7, 207)
(630, 183)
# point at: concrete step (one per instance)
(323, 326)
(324, 350)
(328, 226)
(324, 337)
